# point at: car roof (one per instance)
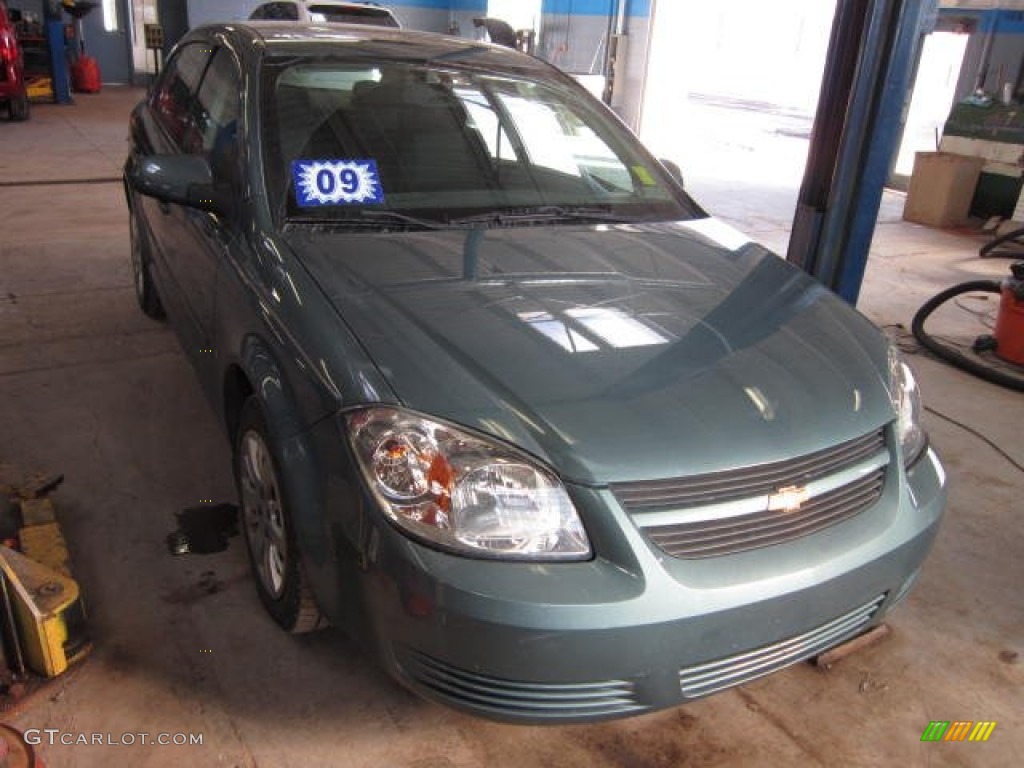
(388, 43)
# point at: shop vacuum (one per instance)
(85, 70)
(1009, 331)
(1006, 340)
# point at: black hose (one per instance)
(954, 356)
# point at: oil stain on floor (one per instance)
(203, 530)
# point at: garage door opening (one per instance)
(732, 88)
(934, 91)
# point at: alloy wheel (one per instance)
(262, 513)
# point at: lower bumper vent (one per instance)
(521, 700)
(705, 679)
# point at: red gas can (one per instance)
(85, 75)
(1009, 330)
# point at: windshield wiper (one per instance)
(507, 217)
(540, 214)
(368, 217)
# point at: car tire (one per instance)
(18, 108)
(145, 291)
(267, 527)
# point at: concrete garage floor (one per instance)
(91, 388)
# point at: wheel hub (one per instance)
(262, 513)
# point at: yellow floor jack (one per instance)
(42, 621)
(41, 613)
(42, 616)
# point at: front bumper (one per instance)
(633, 630)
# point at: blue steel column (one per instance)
(58, 62)
(842, 187)
(826, 177)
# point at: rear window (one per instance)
(379, 17)
(285, 11)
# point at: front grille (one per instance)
(705, 679)
(723, 513)
(521, 700)
(717, 487)
(711, 538)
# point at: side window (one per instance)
(216, 114)
(172, 99)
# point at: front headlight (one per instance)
(906, 399)
(463, 492)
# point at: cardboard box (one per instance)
(941, 188)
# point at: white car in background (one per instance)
(315, 12)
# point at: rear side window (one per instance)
(173, 98)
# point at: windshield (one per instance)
(446, 146)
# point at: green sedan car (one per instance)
(506, 405)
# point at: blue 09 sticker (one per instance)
(336, 182)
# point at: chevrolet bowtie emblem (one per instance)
(788, 499)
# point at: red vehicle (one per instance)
(12, 70)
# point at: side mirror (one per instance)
(182, 179)
(674, 170)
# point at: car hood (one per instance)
(615, 353)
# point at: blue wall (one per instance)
(596, 7)
(444, 5)
(1007, 51)
(573, 36)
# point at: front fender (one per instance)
(296, 457)
(276, 327)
